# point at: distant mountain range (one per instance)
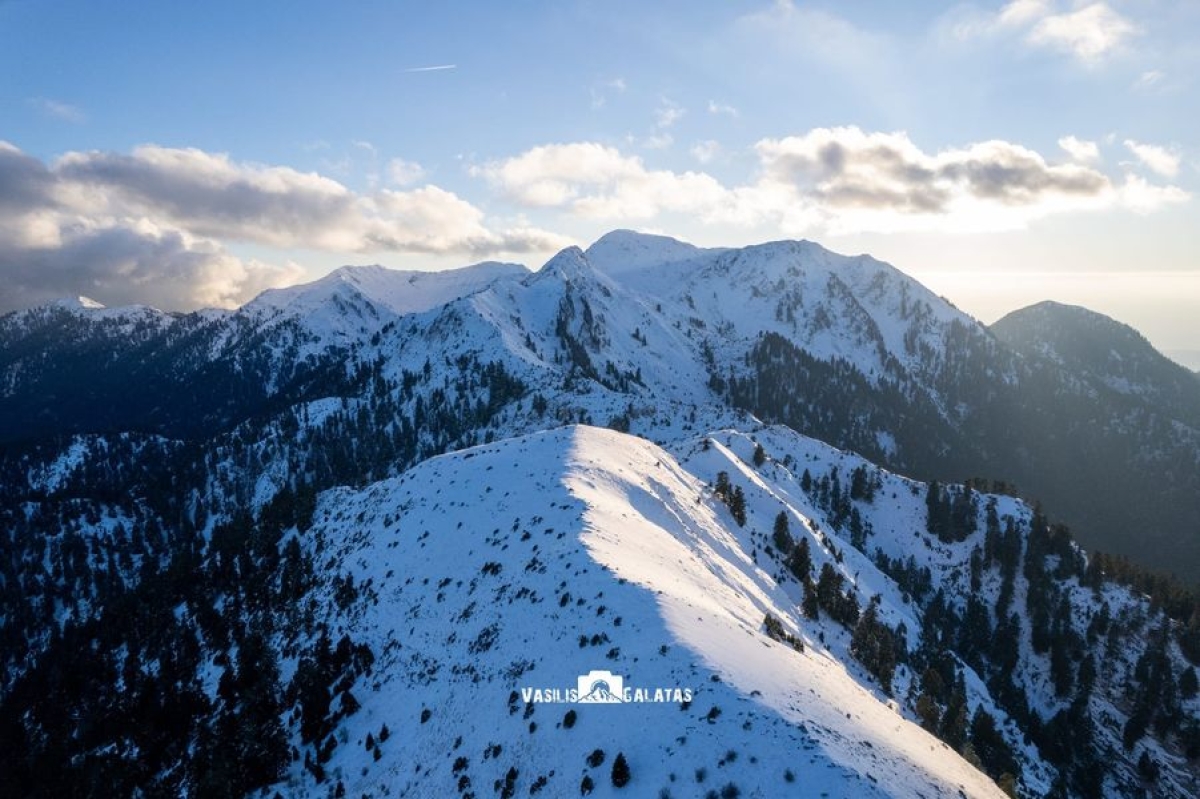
(321, 543)
(1058, 401)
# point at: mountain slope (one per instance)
(1115, 412)
(524, 564)
(599, 537)
(1104, 351)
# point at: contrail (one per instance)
(436, 68)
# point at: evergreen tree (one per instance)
(993, 751)
(737, 506)
(781, 536)
(810, 605)
(722, 489)
(1062, 671)
(261, 737)
(829, 588)
(955, 719)
(937, 514)
(873, 644)
(620, 771)
(799, 562)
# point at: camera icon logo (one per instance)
(600, 686)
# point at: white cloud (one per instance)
(720, 109)
(1089, 32)
(59, 110)
(1143, 198)
(851, 168)
(1086, 152)
(832, 180)
(668, 114)
(594, 180)
(1022, 12)
(705, 151)
(50, 249)
(433, 220)
(1157, 159)
(555, 174)
(212, 195)
(404, 173)
(658, 141)
(1149, 79)
(600, 93)
(792, 30)
(883, 182)
(665, 117)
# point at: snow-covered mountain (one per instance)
(353, 302)
(833, 306)
(640, 322)
(524, 564)
(172, 558)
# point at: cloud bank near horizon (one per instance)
(836, 181)
(156, 225)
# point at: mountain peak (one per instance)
(1112, 352)
(80, 303)
(625, 250)
(1061, 309)
(569, 263)
(1062, 330)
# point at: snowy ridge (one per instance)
(91, 312)
(483, 570)
(351, 304)
(398, 291)
(527, 562)
(649, 312)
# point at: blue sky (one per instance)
(1003, 152)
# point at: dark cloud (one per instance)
(847, 168)
(58, 237)
(25, 182)
(1019, 178)
(123, 265)
(151, 226)
(209, 195)
(923, 198)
